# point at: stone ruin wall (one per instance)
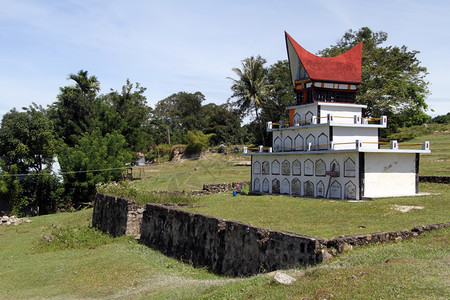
(227, 247)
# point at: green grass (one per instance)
(192, 174)
(328, 218)
(82, 263)
(438, 162)
(121, 268)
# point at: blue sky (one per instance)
(170, 46)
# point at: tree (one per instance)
(224, 122)
(95, 159)
(27, 149)
(77, 107)
(177, 114)
(128, 113)
(393, 81)
(251, 88)
(27, 140)
(197, 141)
(281, 94)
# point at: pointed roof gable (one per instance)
(345, 67)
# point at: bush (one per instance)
(197, 142)
(222, 148)
(79, 237)
(130, 191)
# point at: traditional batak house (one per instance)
(329, 148)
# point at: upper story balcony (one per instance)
(329, 119)
(357, 145)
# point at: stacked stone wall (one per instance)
(208, 188)
(117, 215)
(225, 247)
(435, 179)
(346, 242)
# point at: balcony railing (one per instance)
(392, 145)
(330, 119)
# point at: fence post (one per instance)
(394, 145)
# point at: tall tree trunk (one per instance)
(261, 128)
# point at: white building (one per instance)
(329, 148)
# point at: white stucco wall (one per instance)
(341, 114)
(312, 169)
(389, 174)
(351, 134)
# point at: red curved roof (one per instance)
(345, 67)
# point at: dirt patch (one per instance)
(406, 208)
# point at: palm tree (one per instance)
(251, 88)
(88, 86)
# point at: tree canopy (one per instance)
(393, 80)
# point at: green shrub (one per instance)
(222, 148)
(130, 191)
(245, 189)
(79, 237)
(197, 141)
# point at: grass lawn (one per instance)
(192, 174)
(438, 162)
(329, 218)
(83, 263)
(121, 268)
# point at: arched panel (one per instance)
(320, 168)
(285, 168)
(265, 168)
(275, 186)
(256, 167)
(322, 142)
(256, 185)
(265, 186)
(309, 167)
(287, 144)
(296, 168)
(308, 189)
(335, 167)
(335, 190)
(285, 187)
(349, 168)
(299, 143)
(320, 189)
(277, 145)
(311, 139)
(350, 191)
(296, 187)
(275, 167)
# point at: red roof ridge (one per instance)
(345, 67)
